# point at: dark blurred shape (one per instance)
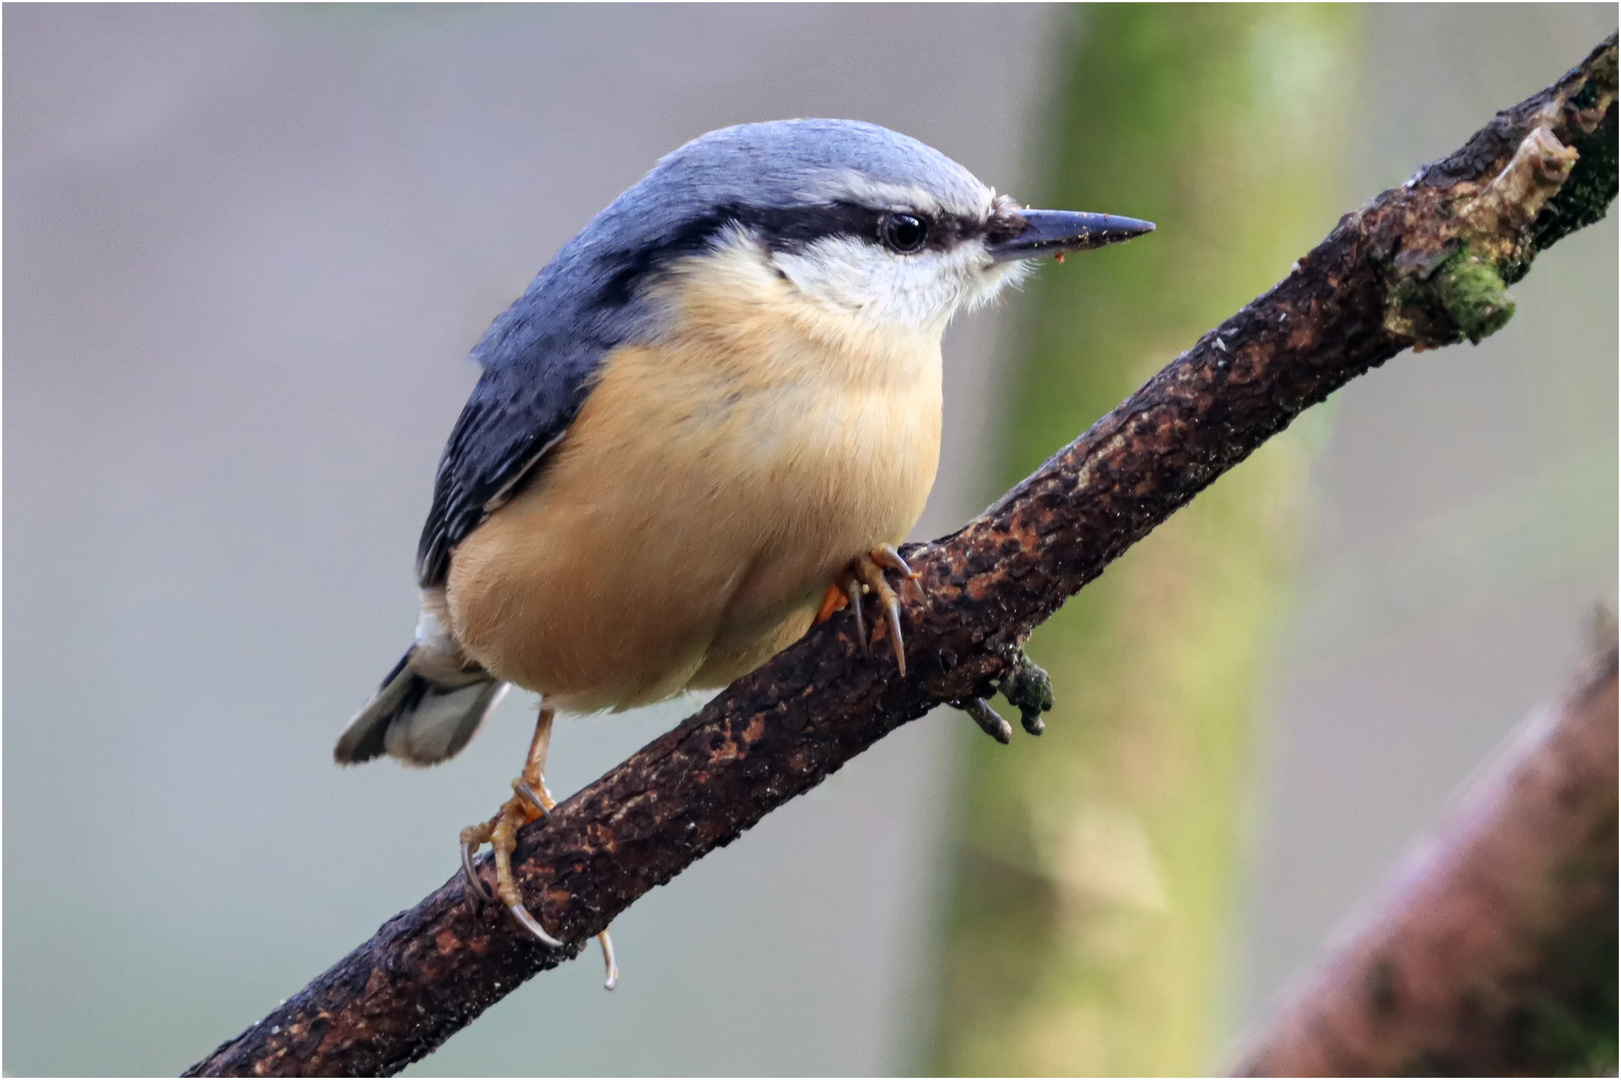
(1495, 952)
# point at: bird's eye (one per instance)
(904, 233)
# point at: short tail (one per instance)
(418, 720)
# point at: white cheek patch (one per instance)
(923, 290)
(988, 281)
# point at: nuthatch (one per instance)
(706, 424)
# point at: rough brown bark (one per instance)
(1419, 266)
(1495, 953)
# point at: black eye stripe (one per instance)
(794, 228)
(788, 229)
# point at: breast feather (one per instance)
(712, 485)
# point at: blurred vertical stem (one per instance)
(1094, 889)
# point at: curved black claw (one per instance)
(475, 884)
(869, 570)
(989, 720)
(522, 788)
(887, 557)
(612, 979)
(532, 924)
(851, 585)
(1028, 688)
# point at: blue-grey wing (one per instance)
(541, 357)
(515, 416)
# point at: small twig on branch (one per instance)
(1495, 953)
(1418, 267)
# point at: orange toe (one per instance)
(833, 600)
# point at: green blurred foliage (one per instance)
(1094, 888)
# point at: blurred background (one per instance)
(246, 249)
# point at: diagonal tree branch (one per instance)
(1494, 951)
(1418, 267)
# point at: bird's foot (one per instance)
(866, 574)
(1027, 687)
(501, 833)
(531, 800)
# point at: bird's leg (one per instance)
(531, 800)
(866, 574)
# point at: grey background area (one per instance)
(245, 250)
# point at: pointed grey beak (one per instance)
(1052, 232)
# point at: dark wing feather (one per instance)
(515, 416)
(541, 358)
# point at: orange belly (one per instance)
(685, 528)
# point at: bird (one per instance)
(705, 426)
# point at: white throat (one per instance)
(920, 291)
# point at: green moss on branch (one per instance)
(1474, 295)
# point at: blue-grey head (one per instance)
(871, 236)
(856, 217)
